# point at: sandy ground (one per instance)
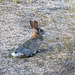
(56, 55)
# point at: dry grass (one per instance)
(57, 52)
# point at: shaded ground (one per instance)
(56, 55)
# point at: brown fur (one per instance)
(34, 34)
(31, 23)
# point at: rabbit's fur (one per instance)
(32, 45)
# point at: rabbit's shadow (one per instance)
(44, 52)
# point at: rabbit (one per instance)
(31, 46)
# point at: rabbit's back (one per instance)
(31, 44)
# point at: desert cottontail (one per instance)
(32, 45)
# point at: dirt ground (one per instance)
(56, 54)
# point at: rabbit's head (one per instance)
(37, 31)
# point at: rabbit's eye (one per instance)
(41, 30)
(15, 52)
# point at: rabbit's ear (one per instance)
(34, 24)
(31, 23)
